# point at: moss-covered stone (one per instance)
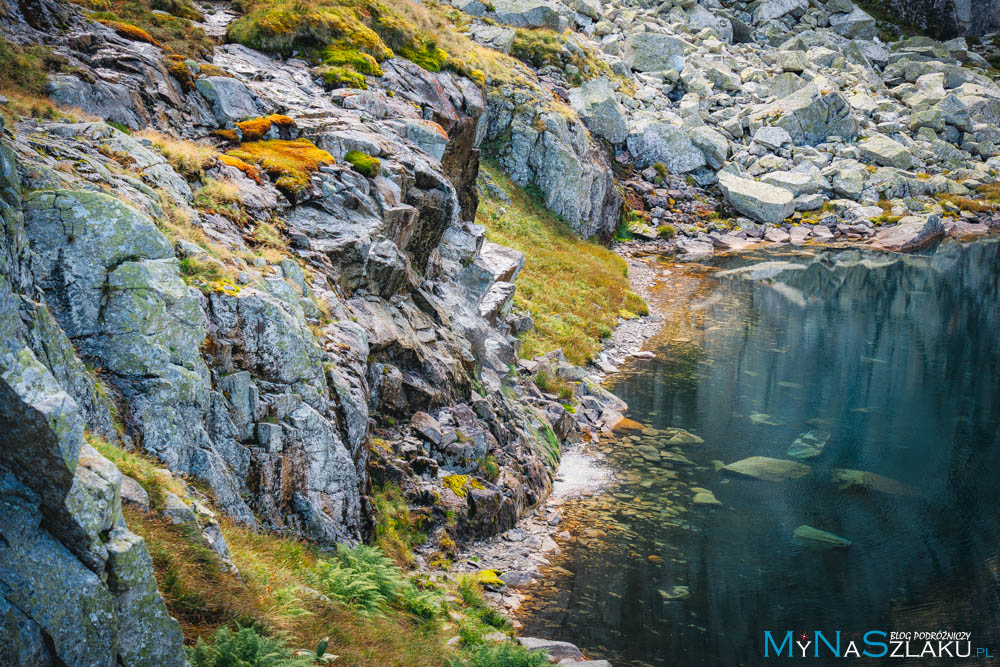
(363, 163)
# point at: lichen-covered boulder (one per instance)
(598, 108)
(75, 581)
(541, 145)
(229, 98)
(811, 115)
(760, 201)
(653, 52)
(653, 140)
(885, 151)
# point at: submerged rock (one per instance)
(847, 479)
(676, 593)
(808, 445)
(768, 469)
(678, 437)
(704, 497)
(820, 538)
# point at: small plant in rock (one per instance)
(661, 172)
(666, 231)
(363, 163)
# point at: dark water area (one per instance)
(893, 362)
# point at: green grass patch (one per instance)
(573, 289)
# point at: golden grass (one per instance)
(215, 193)
(967, 203)
(573, 289)
(991, 191)
(189, 158)
(290, 163)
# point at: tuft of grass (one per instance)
(396, 530)
(215, 194)
(154, 479)
(336, 76)
(572, 288)
(129, 31)
(165, 23)
(967, 203)
(991, 191)
(188, 158)
(666, 231)
(461, 484)
(25, 67)
(363, 163)
(289, 163)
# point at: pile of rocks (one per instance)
(793, 113)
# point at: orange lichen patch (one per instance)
(177, 68)
(255, 128)
(438, 128)
(226, 135)
(252, 172)
(130, 31)
(290, 163)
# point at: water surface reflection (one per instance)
(894, 363)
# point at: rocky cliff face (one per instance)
(134, 311)
(78, 587)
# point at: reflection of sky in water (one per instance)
(898, 360)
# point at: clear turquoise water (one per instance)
(898, 359)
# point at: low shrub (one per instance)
(503, 654)
(289, 163)
(666, 231)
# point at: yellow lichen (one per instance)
(460, 484)
(130, 31)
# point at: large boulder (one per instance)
(912, 233)
(229, 98)
(760, 201)
(887, 152)
(530, 14)
(653, 52)
(856, 24)
(653, 140)
(811, 115)
(598, 108)
(541, 145)
(77, 587)
(712, 144)
(104, 99)
(769, 10)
